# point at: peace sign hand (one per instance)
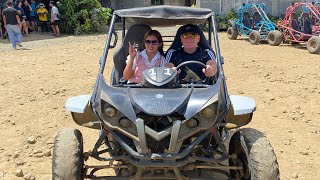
(132, 50)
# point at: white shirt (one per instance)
(55, 10)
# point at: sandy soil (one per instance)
(36, 81)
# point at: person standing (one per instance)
(43, 17)
(27, 11)
(33, 16)
(3, 29)
(23, 18)
(54, 19)
(13, 24)
(1, 22)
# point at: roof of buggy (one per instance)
(165, 15)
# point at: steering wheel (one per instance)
(190, 74)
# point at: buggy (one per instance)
(161, 128)
(302, 25)
(253, 22)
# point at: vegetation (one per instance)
(83, 16)
(232, 14)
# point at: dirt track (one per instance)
(35, 83)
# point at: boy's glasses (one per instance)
(187, 35)
(153, 42)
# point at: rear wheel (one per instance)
(254, 37)
(232, 33)
(255, 154)
(313, 45)
(275, 38)
(67, 162)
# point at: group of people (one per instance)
(19, 18)
(152, 55)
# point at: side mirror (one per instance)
(114, 39)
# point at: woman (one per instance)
(151, 56)
(27, 10)
(23, 17)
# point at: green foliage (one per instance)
(231, 15)
(83, 16)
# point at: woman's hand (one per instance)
(132, 50)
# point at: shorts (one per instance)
(56, 23)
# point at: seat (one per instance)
(306, 23)
(256, 18)
(134, 34)
(296, 25)
(246, 21)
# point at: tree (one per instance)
(83, 16)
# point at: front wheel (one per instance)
(254, 37)
(255, 154)
(232, 33)
(67, 162)
(313, 45)
(275, 38)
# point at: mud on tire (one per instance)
(254, 37)
(275, 38)
(255, 154)
(67, 160)
(313, 45)
(232, 33)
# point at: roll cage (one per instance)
(253, 17)
(158, 16)
(302, 21)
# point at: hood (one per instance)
(160, 102)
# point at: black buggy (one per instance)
(162, 128)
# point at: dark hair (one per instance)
(292, 4)
(158, 36)
(9, 3)
(17, 2)
(52, 2)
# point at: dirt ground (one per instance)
(36, 81)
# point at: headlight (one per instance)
(125, 122)
(109, 111)
(209, 112)
(192, 123)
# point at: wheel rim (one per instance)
(313, 44)
(229, 32)
(271, 37)
(252, 37)
(241, 160)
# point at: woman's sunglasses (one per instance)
(153, 42)
(187, 35)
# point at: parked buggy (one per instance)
(254, 23)
(302, 25)
(162, 128)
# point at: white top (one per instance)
(55, 10)
(145, 58)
